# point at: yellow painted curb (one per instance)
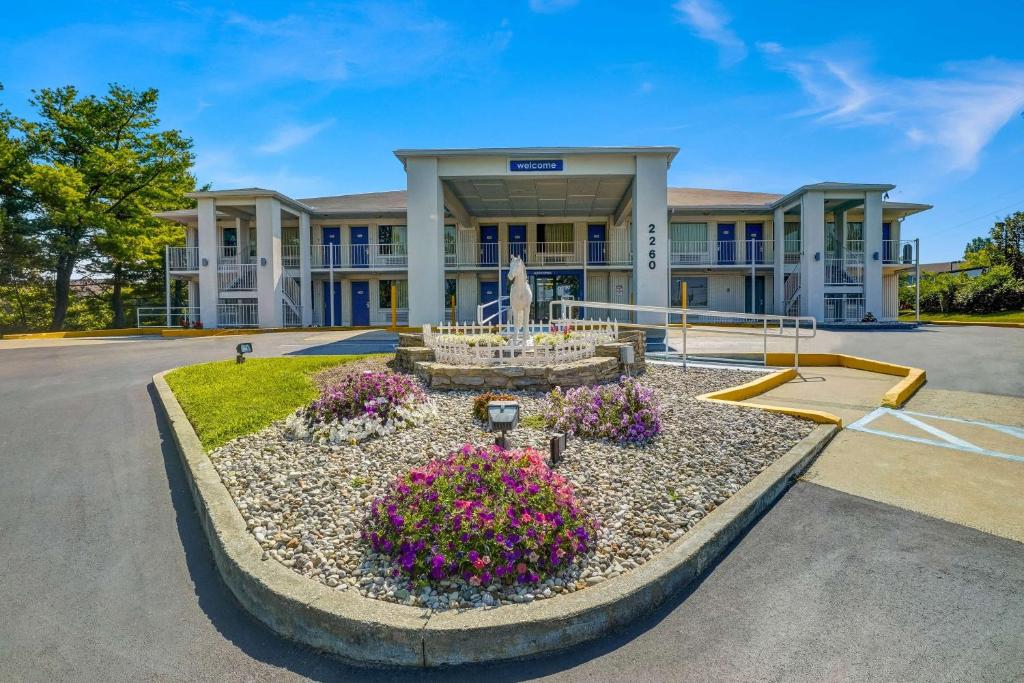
(974, 323)
(736, 395)
(77, 334)
(912, 380)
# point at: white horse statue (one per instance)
(520, 298)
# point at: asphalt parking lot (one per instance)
(107, 575)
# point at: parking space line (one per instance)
(947, 440)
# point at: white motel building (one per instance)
(591, 223)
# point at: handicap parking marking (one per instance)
(943, 439)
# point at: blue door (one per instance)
(360, 302)
(886, 243)
(757, 294)
(360, 250)
(726, 243)
(330, 320)
(488, 245)
(489, 294)
(517, 241)
(596, 247)
(332, 248)
(755, 252)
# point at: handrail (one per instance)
(567, 305)
(481, 320)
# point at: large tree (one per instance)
(101, 168)
(1007, 243)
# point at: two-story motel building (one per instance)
(594, 223)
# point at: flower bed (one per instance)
(484, 514)
(474, 340)
(623, 412)
(359, 406)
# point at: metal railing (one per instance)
(166, 316)
(493, 254)
(499, 306)
(844, 309)
(238, 315)
(182, 258)
(290, 256)
(236, 277)
(374, 255)
(291, 315)
(846, 270)
(711, 253)
(227, 254)
(899, 251)
(757, 324)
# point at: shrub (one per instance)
(484, 514)
(533, 422)
(551, 338)
(480, 403)
(623, 412)
(361, 405)
(476, 339)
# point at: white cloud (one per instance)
(551, 6)
(292, 135)
(710, 22)
(956, 113)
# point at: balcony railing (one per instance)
(537, 254)
(238, 315)
(898, 251)
(709, 253)
(236, 277)
(182, 258)
(227, 254)
(359, 255)
(290, 255)
(847, 267)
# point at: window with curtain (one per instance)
(384, 293)
(689, 241)
(854, 232)
(792, 239)
(449, 239)
(392, 239)
(555, 238)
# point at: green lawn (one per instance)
(1001, 317)
(224, 400)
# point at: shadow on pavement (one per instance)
(373, 341)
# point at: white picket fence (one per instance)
(450, 350)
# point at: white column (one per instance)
(872, 233)
(779, 272)
(425, 218)
(305, 279)
(812, 261)
(208, 293)
(650, 219)
(269, 273)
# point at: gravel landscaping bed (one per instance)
(305, 502)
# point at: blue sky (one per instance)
(311, 98)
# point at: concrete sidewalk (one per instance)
(955, 455)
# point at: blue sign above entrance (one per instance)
(535, 165)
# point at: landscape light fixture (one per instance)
(241, 350)
(556, 447)
(502, 416)
(627, 356)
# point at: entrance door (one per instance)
(488, 246)
(517, 241)
(331, 320)
(596, 247)
(886, 243)
(758, 294)
(755, 253)
(548, 287)
(332, 247)
(360, 302)
(360, 249)
(726, 244)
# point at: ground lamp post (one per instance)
(241, 350)
(556, 447)
(502, 416)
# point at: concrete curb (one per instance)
(973, 323)
(913, 378)
(380, 633)
(736, 395)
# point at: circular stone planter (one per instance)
(377, 632)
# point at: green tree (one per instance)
(101, 167)
(1007, 239)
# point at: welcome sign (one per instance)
(535, 165)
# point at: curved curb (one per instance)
(377, 632)
(735, 396)
(895, 397)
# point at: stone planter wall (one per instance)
(596, 370)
